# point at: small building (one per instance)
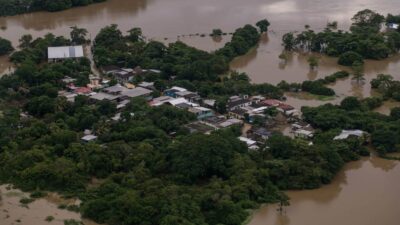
(236, 102)
(89, 138)
(260, 134)
(172, 91)
(57, 54)
(124, 75)
(238, 113)
(304, 134)
(350, 133)
(199, 127)
(188, 95)
(230, 122)
(201, 112)
(271, 102)
(251, 144)
(147, 85)
(393, 26)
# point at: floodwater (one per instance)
(186, 20)
(365, 192)
(12, 212)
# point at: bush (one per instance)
(317, 88)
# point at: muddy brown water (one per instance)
(364, 193)
(12, 212)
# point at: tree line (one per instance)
(14, 7)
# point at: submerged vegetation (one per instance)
(364, 40)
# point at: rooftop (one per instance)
(65, 52)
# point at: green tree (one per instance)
(263, 25)
(78, 35)
(5, 46)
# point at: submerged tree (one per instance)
(263, 25)
(313, 62)
(358, 72)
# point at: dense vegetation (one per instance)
(364, 40)
(388, 87)
(316, 87)
(13, 7)
(355, 114)
(5, 46)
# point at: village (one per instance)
(257, 116)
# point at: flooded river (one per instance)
(364, 193)
(12, 212)
(165, 20)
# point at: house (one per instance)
(110, 69)
(172, 91)
(68, 95)
(271, 102)
(230, 122)
(209, 103)
(56, 54)
(251, 144)
(89, 138)
(304, 134)
(188, 95)
(345, 134)
(100, 96)
(238, 113)
(94, 81)
(160, 100)
(68, 80)
(260, 134)
(236, 102)
(136, 92)
(147, 85)
(199, 127)
(393, 26)
(220, 122)
(201, 112)
(124, 75)
(120, 93)
(82, 90)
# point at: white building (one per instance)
(56, 54)
(348, 133)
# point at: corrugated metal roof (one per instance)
(65, 52)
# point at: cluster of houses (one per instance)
(240, 109)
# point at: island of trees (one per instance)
(13, 7)
(149, 167)
(365, 40)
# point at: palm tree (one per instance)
(78, 35)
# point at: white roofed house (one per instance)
(57, 54)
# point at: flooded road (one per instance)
(366, 192)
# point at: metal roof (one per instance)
(65, 52)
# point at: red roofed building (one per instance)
(82, 90)
(271, 102)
